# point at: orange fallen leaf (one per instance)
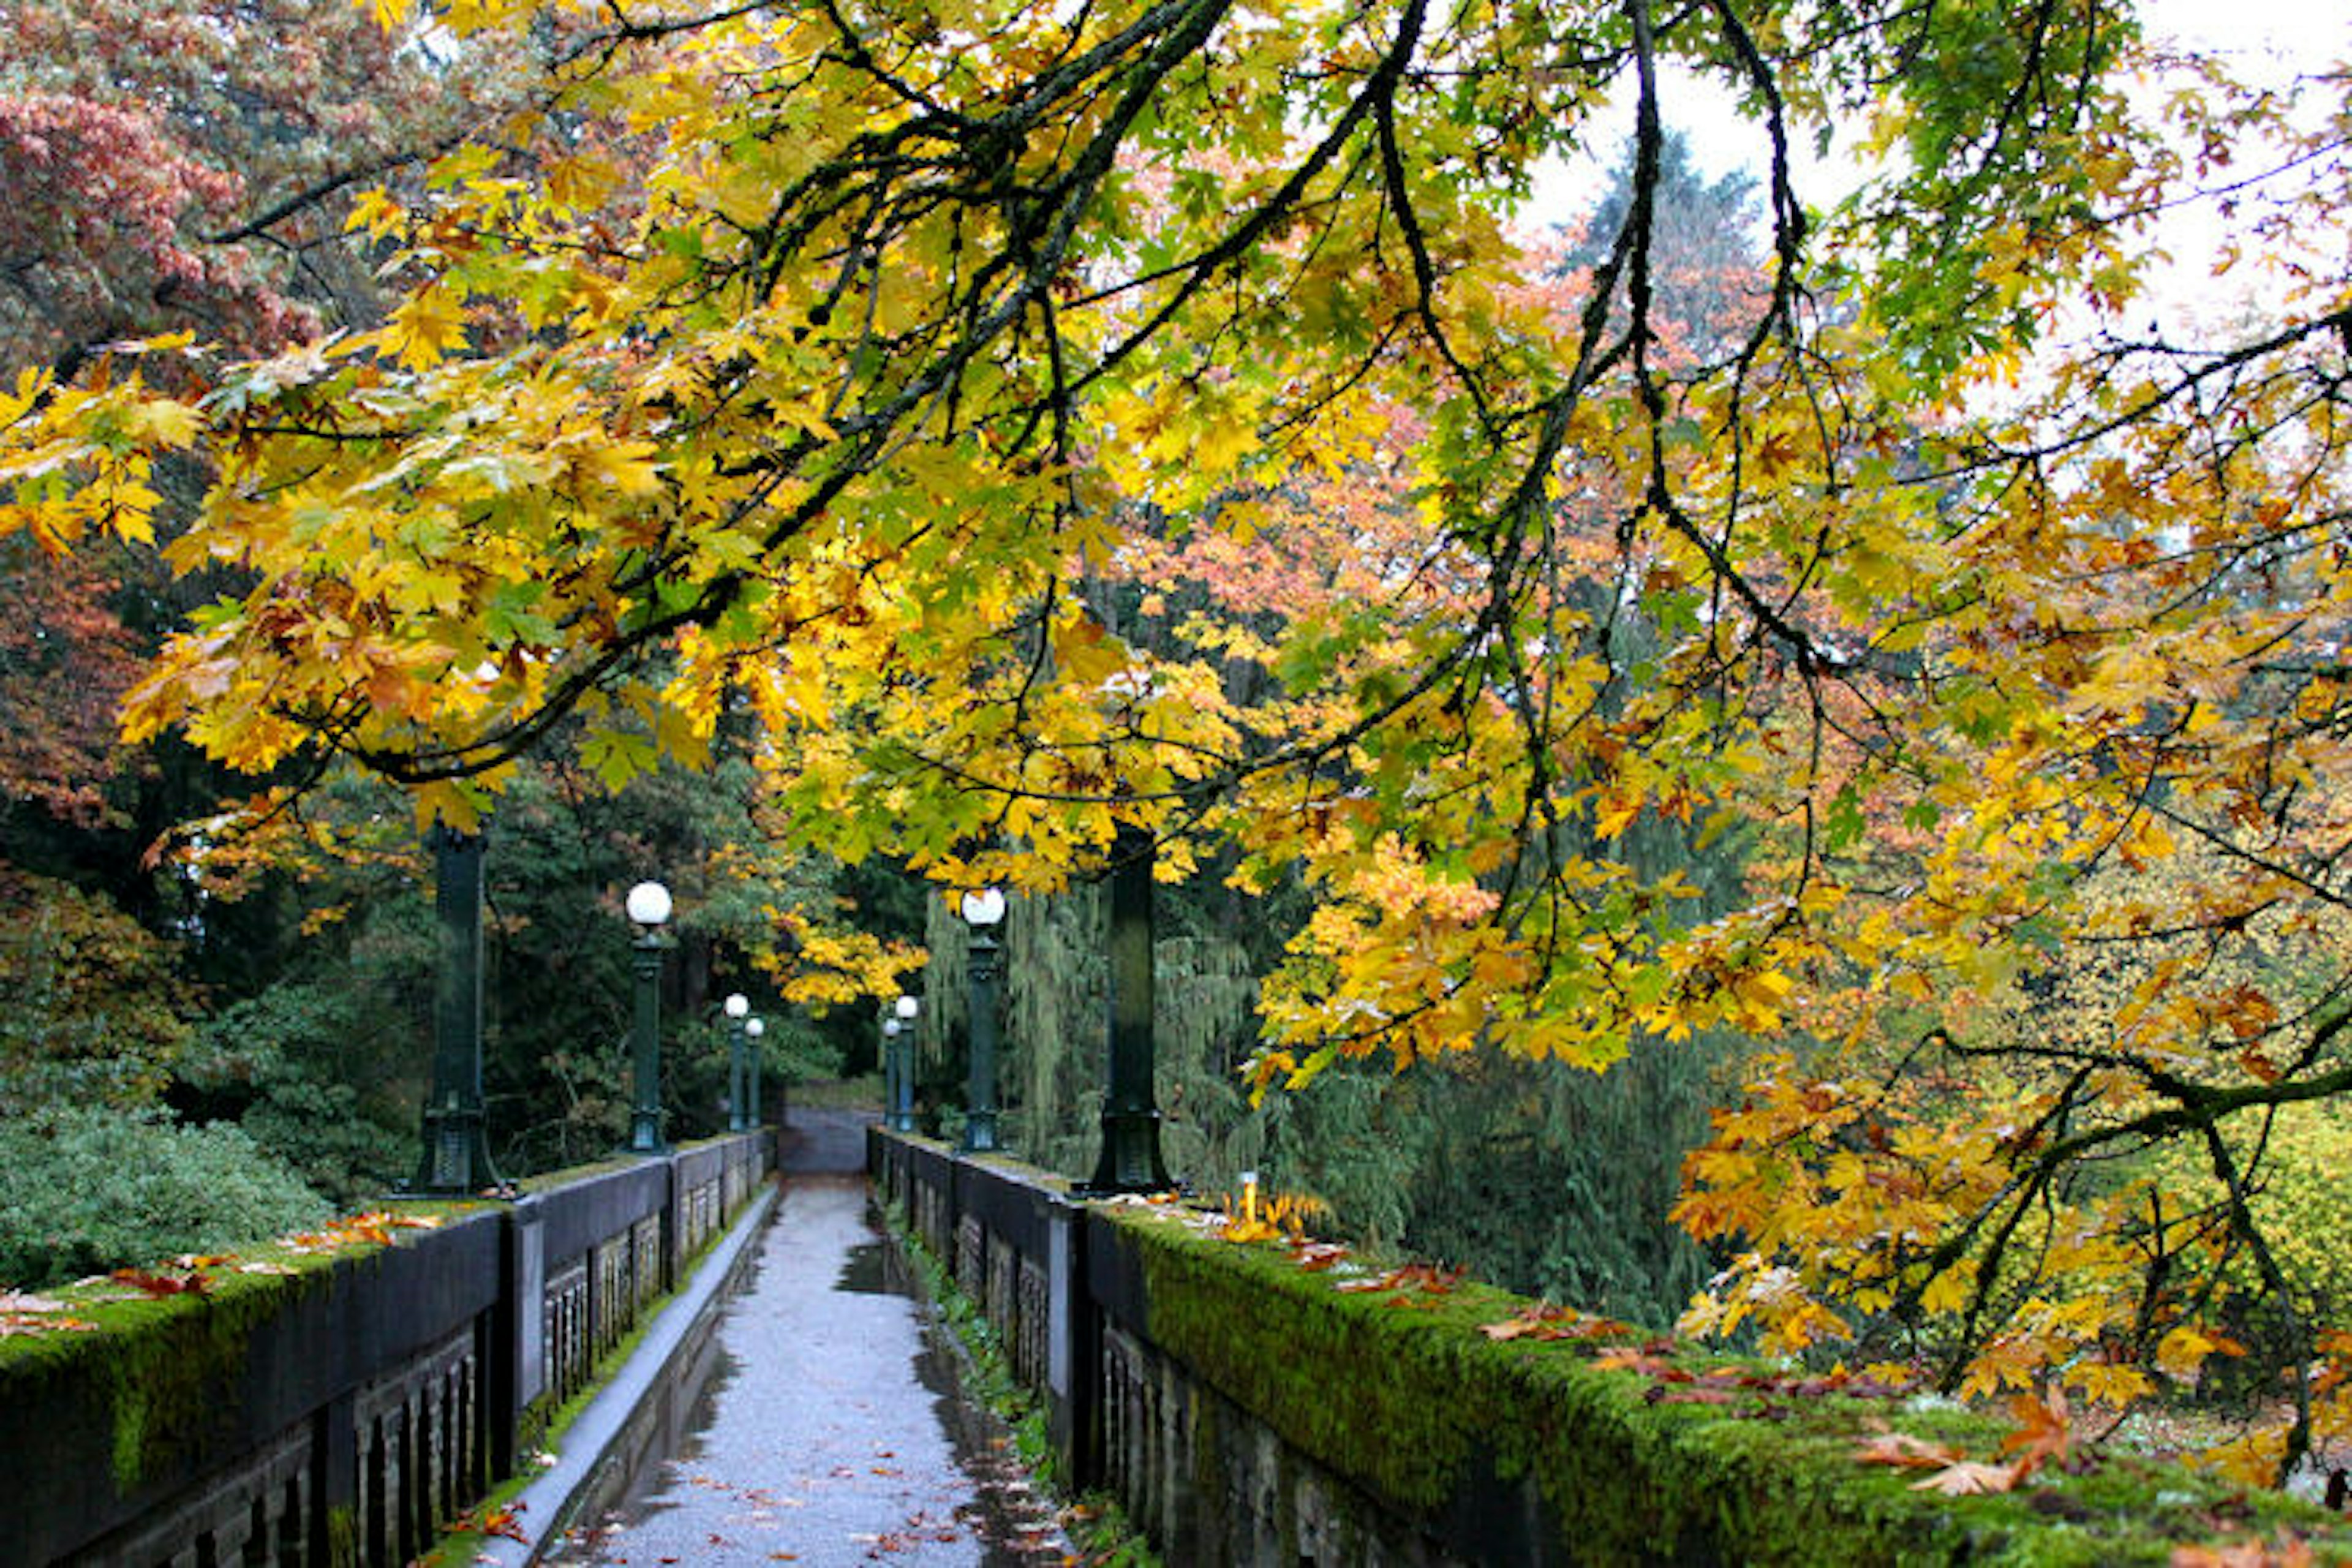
(1906, 1452)
(2291, 1551)
(1546, 1321)
(2045, 1430)
(163, 1284)
(1317, 1255)
(1692, 1395)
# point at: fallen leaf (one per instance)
(1691, 1397)
(2045, 1431)
(1969, 1478)
(1906, 1452)
(163, 1284)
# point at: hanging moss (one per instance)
(1051, 1062)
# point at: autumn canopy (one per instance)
(1036, 421)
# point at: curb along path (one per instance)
(832, 1432)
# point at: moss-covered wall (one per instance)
(1248, 1392)
(182, 1412)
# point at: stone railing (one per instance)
(346, 1412)
(1243, 1410)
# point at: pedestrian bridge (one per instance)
(505, 1369)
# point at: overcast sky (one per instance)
(2266, 41)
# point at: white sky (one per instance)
(2264, 41)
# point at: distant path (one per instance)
(830, 1434)
(826, 1141)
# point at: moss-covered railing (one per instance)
(338, 1404)
(1247, 1404)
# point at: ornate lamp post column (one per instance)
(737, 1007)
(891, 1073)
(457, 1157)
(752, 1029)
(901, 1027)
(1130, 1162)
(649, 907)
(982, 911)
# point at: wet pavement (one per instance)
(830, 1431)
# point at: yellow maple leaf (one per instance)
(426, 327)
(623, 466)
(375, 211)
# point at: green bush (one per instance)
(2303, 1204)
(85, 1190)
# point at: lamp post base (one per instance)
(644, 1134)
(980, 1133)
(1131, 1161)
(457, 1157)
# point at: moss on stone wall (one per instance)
(1411, 1402)
(162, 1365)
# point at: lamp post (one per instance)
(902, 1026)
(648, 906)
(982, 911)
(457, 1157)
(1131, 1159)
(752, 1029)
(890, 1072)
(737, 1007)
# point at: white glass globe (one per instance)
(737, 1005)
(648, 903)
(905, 1006)
(755, 1028)
(985, 907)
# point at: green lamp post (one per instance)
(649, 907)
(901, 1030)
(753, 1028)
(457, 1157)
(738, 1007)
(1131, 1159)
(982, 910)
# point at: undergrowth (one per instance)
(1094, 1521)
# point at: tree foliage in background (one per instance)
(902, 334)
(188, 166)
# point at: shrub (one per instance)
(2303, 1205)
(87, 1190)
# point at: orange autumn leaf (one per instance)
(1904, 1451)
(163, 1284)
(2045, 1433)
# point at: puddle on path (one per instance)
(869, 1271)
(829, 1427)
(1014, 1522)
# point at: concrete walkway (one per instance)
(831, 1432)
